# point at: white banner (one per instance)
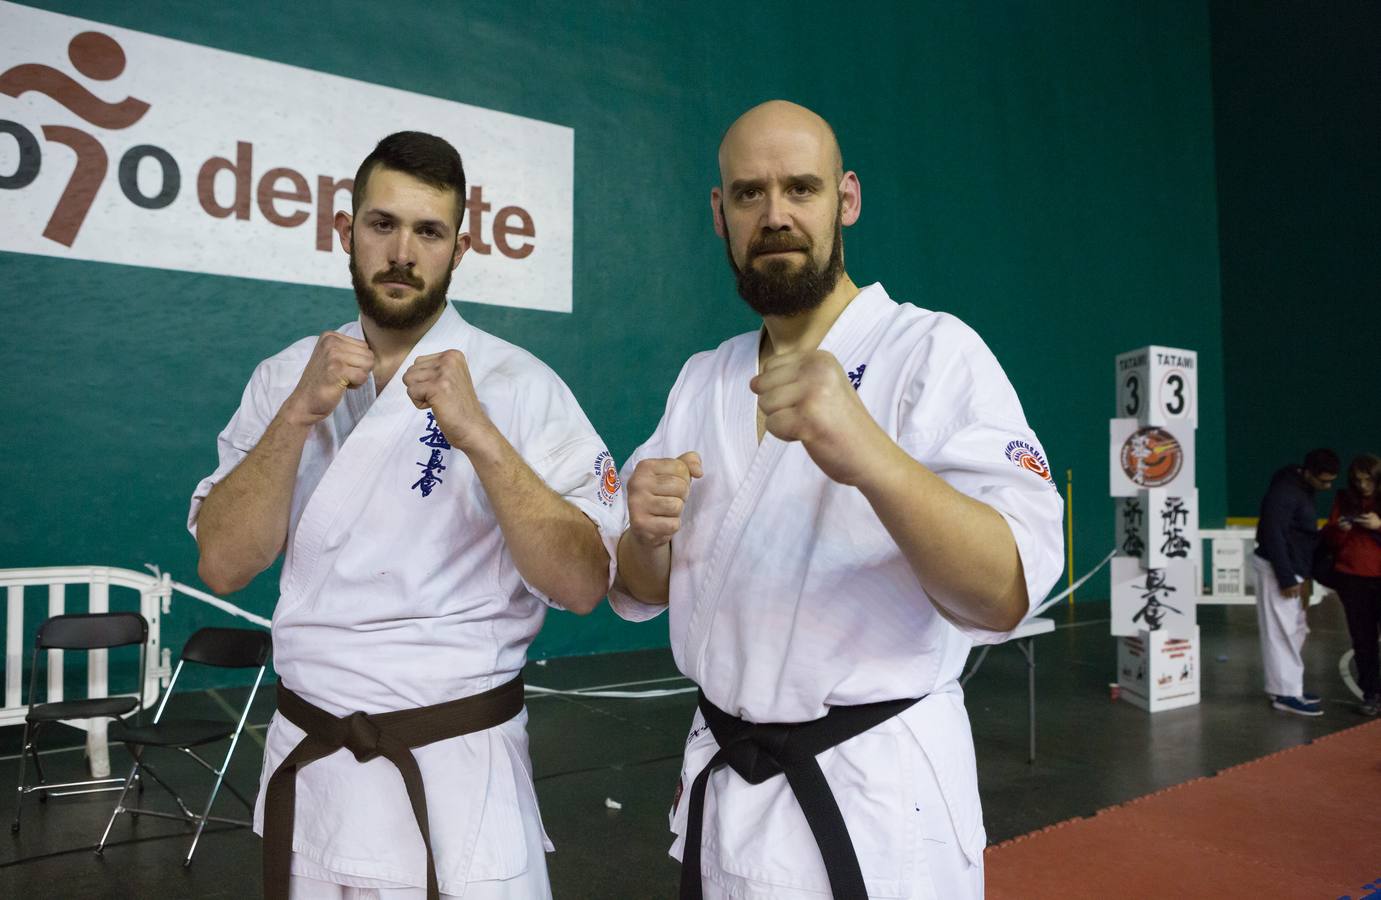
(122, 147)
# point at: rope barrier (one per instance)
(1073, 587)
(228, 607)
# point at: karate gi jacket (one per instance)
(398, 591)
(788, 596)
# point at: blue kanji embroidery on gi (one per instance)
(434, 437)
(429, 479)
(856, 376)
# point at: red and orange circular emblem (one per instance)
(1152, 457)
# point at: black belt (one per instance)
(759, 752)
(391, 735)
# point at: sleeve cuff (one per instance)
(609, 539)
(631, 609)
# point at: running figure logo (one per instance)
(100, 58)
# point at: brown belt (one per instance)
(391, 735)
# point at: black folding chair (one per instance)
(228, 648)
(90, 631)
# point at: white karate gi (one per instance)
(788, 596)
(392, 599)
(1283, 626)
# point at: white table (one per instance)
(1025, 638)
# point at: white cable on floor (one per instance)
(1345, 670)
(232, 609)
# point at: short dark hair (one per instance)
(1322, 461)
(426, 157)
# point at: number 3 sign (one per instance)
(1158, 386)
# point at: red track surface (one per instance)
(1304, 822)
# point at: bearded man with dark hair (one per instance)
(432, 490)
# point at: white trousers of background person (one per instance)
(1283, 626)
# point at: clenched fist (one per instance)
(441, 382)
(657, 492)
(807, 397)
(337, 364)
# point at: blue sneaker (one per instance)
(1296, 705)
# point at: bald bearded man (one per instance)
(833, 508)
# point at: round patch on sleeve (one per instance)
(608, 475)
(1025, 456)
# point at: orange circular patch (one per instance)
(1152, 457)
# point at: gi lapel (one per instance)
(845, 339)
(363, 455)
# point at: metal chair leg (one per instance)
(215, 789)
(201, 825)
(19, 799)
(119, 808)
(38, 766)
(177, 798)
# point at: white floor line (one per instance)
(1082, 624)
(234, 715)
(82, 748)
(605, 687)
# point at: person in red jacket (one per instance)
(1354, 531)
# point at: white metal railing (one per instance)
(1230, 557)
(155, 594)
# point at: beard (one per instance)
(389, 314)
(779, 290)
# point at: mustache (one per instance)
(402, 276)
(778, 242)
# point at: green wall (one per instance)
(1297, 109)
(1042, 170)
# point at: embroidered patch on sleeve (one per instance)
(856, 376)
(1025, 456)
(608, 475)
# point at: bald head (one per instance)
(776, 127)
(781, 203)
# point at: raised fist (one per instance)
(338, 363)
(657, 492)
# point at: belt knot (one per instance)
(361, 736)
(760, 752)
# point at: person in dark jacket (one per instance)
(1286, 535)
(1354, 531)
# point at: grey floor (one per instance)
(1092, 753)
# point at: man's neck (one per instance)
(798, 334)
(391, 346)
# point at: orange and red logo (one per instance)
(1027, 457)
(1152, 457)
(608, 475)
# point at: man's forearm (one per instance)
(644, 572)
(961, 549)
(243, 522)
(556, 547)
